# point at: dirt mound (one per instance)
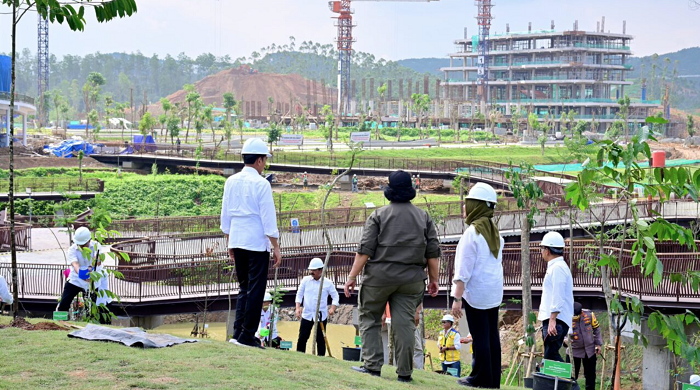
(253, 88)
(22, 323)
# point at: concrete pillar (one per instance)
(146, 322)
(658, 361)
(24, 129)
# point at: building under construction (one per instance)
(545, 72)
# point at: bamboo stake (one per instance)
(529, 363)
(513, 362)
(602, 372)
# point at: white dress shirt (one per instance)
(481, 273)
(5, 292)
(557, 292)
(75, 255)
(248, 211)
(307, 295)
(265, 321)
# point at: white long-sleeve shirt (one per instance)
(75, 255)
(481, 272)
(5, 295)
(307, 295)
(557, 292)
(248, 211)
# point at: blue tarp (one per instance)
(150, 143)
(79, 127)
(5, 68)
(67, 147)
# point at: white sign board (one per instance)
(295, 225)
(360, 136)
(292, 139)
(480, 60)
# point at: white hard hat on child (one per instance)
(316, 263)
(267, 298)
(553, 239)
(694, 379)
(448, 317)
(483, 191)
(255, 146)
(82, 236)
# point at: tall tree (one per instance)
(54, 11)
(91, 94)
(191, 98)
(229, 104)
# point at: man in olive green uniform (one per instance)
(398, 242)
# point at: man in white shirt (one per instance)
(80, 267)
(307, 295)
(557, 305)
(5, 296)
(249, 221)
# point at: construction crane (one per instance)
(42, 55)
(344, 42)
(483, 18)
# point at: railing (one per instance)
(18, 98)
(210, 277)
(22, 237)
(53, 185)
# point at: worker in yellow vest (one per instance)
(449, 342)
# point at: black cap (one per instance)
(577, 308)
(400, 180)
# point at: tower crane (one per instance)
(344, 42)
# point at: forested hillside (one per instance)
(157, 77)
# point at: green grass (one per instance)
(494, 153)
(181, 195)
(33, 360)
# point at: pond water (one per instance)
(338, 335)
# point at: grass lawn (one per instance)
(35, 359)
(495, 153)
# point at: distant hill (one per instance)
(688, 62)
(426, 65)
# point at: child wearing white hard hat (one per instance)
(267, 329)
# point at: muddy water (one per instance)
(338, 335)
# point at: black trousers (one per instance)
(486, 359)
(251, 273)
(552, 344)
(305, 329)
(69, 293)
(589, 364)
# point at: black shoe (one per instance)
(466, 382)
(405, 378)
(366, 371)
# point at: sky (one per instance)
(387, 29)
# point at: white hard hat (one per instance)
(695, 379)
(448, 317)
(316, 263)
(483, 191)
(255, 146)
(553, 239)
(82, 236)
(267, 298)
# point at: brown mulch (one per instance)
(22, 323)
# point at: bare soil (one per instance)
(21, 323)
(251, 88)
(48, 162)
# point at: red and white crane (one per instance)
(344, 42)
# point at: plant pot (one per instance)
(528, 383)
(546, 382)
(351, 354)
